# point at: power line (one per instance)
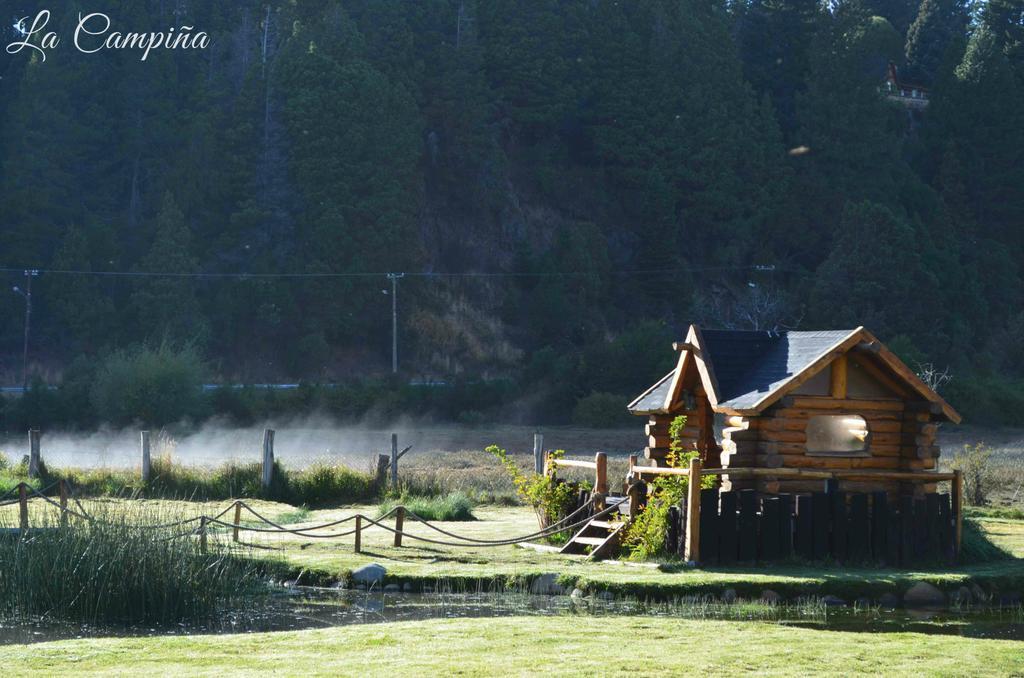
(467, 274)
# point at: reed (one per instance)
(115, 570)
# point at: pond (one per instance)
(308, 608)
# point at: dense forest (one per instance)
(565, 184)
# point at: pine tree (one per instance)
(934, 38)
(774, 38)
(166, 306)
(80, 312)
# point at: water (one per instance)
(306, 608)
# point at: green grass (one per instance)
(475, 567)
(569, 646)
(316, 485)
(454, 506)
(1009, 513)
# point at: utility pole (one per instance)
(393, 277)
(27, 295)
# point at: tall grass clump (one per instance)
(117, 571)
(453, 507)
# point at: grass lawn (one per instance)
(528, 646)
(433, 565)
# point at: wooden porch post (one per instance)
(692, 551)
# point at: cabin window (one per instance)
(838, 435)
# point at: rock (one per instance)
(962, 596)
(392, 588)
(577, 593)
(923, 594)
(729, 596)
(407, 587)
(833, 601)
(770, 597)
(546, 584)
(369, 574)
(889, 600)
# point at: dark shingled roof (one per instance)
(653, 399)
(750, 365)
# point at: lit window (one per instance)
(842, 435)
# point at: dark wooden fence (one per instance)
(846, 527)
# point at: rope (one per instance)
(504, 542)
(248, 528)
(276, 528)
(301, 530)
(533, 535)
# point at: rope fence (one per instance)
(201, 525)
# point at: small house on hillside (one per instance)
(910, 94)
(830, 400)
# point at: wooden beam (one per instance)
(852, 405)
(958, 507)
(601, 473)
(924, 476)
(685, 346)
(692, 550)
(573, 463)
(660, 471)
(837, 382)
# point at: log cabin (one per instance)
(830, 400)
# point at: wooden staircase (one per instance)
(599, 538)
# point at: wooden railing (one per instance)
(599, 466)
(695, 470)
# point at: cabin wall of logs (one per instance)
(901, 437)
(698, 433)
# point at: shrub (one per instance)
(550, 498)
(454, 506)
(973, 462)
(601, 410)
(152, 386)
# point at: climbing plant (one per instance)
(645, 535)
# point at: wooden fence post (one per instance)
(538, 452)
(399, 524)
(547, 463)
(958, 508)
(146, 461)
(238, 519)
(380, 475)
(692, 551)
(601, 480)
(202, 534)
(23, 508)
(62, 484)
(394, 462)
(359, 534)
(33, 453)
(268, 457)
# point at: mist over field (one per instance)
(301, 442)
